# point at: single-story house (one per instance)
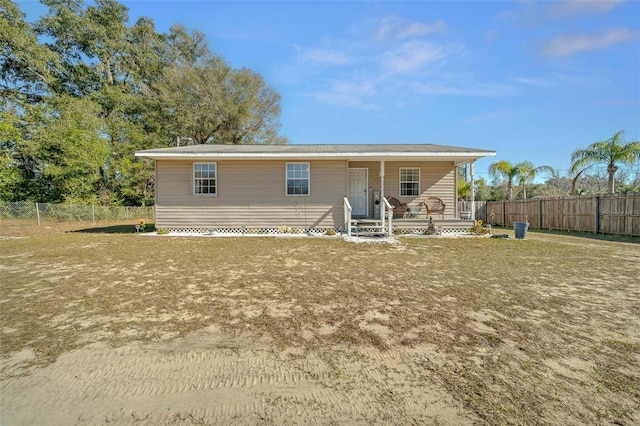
(267, 188)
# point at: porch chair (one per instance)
(399, 209)
(434, 205)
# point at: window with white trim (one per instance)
(205, 179)
(297, 179)
(409, 182)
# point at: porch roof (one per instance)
(353, 152)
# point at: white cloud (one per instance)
(399, 29)
(540, 13)
(491, 36)
(351, 93)
(358, 86)
(322, 55)
(566, 45)
(435, 88)
(411, 57)
(564, 9)
(344, 100)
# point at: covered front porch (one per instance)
(407, 182)
(398, 196)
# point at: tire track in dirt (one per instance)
(208, 378)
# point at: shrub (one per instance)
(478, 228)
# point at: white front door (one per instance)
(358, 195)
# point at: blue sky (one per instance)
(531, 80)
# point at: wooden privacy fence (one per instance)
(617, 214)
(480, 209)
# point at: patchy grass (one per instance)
(545, 330)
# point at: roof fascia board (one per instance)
(373, 156)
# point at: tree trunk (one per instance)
(612, 183)
(612, 169)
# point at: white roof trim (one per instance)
(307, 155)
(354, 152)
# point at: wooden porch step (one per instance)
(366, 221)
(368, 233)
(367, 228)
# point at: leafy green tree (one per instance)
(54, 152)
(211, 103)
(91, 42)
(24, 63)
(10, 175)
(482, 190)
(187, 49)
(149, 55)
(610, 152)
(71, 151)
(116, 67)
(82, 90)
(130, 181)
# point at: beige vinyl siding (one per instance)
(437, 179)
(251, 194)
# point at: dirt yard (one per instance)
(105, 327)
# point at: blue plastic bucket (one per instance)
(520, 229)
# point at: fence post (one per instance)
(38, 213)
(504, 213)
(540, 214)
(596, 214)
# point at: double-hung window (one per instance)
(297, 179)
(410, 182)
(205, 179)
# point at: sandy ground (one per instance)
(99, 328)
(211, 378)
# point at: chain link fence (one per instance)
(39, 212)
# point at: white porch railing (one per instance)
(387, 209)
(347, 216)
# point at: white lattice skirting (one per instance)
(283, 230)
(438, 230)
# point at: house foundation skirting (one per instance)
(245, 230)
(400, 227)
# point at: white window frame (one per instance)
(286, 179)
(215, 178)
(405, 181)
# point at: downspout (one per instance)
(456, 178)
(382, 210)
(473, 192)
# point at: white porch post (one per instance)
(382, 208)
(473, 192)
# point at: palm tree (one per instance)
(611, 152)
(527, 173)
(506, 170)
(464, 190)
